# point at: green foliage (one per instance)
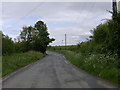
(105, 39)
(100, 33)
(114, 31)
(35, 38)
(114, 35)
(15, 61)
(42, 39)
(115, 38)
(0, 43)
(7, 45)
(101, 54)
(21, 47)
(31, 38)
(101, 65)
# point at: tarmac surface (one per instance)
(53, 71)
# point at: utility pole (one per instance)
(65, 41)
(114, 9)
(119, 6)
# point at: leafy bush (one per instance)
(7, 45)
(100, 33)
(114, 36)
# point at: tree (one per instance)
(41, 36)
(7, 45)
(36, 38)
(114, 30)
(0, 43)
(26, 37)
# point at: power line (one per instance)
(67, 36)
(31, 11)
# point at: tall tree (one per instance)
(36, 38)
(26, 36)
(42, 39)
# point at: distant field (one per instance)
(18, 60)
(101, 65)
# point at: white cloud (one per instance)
(70, 18)
(74, 34)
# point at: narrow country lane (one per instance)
(54, 71)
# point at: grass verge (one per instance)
(18, 60)
(105, 67)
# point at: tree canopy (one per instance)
(31, 38)
(37, 37)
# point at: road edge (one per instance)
(108, 82)
(6, 77)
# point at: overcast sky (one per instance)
(75, 19)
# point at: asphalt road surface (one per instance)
(54, 71)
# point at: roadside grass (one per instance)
(103, 66)
(18, 60)
(0, 66)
